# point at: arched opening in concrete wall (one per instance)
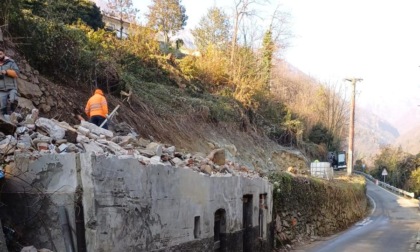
(247, 222)
(220, 230)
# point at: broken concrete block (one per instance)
(147, 153)
(7, 145)
(143, 159)
(31, 127)
(21, 130)
(93, 136)
(155, 147)
(62, 147)
(96, 130)
(31, 118)
(82, 130)
(143, 142)
(118, 150)
(176, 161)
(124, 140)
(82, 139)
(72, 148)
(61, 141)
(155, 160)
(24, 142)
(170, 150)
(93, 147)
(41, 139)
(53, 130)
(15, 118)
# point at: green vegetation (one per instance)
(299, 203)
(236, 81)
(403, 169)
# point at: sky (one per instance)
(376, 40)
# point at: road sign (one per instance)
(384, 173)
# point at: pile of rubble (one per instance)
(38, 135)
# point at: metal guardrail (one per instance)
(385, 185)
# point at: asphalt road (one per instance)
(393, 226)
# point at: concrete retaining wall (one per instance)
(132, 207)
(34, 188)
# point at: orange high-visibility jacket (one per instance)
(97, 105)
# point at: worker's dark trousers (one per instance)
(98, 120)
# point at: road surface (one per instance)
(393, 226)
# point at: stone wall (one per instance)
(132, 207)
(305, 208)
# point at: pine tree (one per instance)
(213, 29)
(268, 51)
(167, 16)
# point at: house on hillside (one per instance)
(117, 25)
(112, 22)
(182, 41)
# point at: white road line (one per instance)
(374, 204)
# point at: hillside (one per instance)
(179, 119)
(243, 100)
(371, 133)
(410, 141)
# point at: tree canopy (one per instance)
(167, 16)
(213, 29)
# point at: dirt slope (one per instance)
(189, 129)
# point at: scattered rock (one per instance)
(206, 169)
(28, 90)
(55, 131)
(218, 156)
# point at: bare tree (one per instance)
(242, 8)
(279, 27)
(332, 108)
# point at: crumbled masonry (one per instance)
(32, 134)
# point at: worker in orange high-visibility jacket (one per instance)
(97, 109)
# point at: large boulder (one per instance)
(218, 156)
(54, 131)
(28, 90)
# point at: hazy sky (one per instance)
(377, 40)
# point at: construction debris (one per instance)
(38, 135)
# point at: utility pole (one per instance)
(351, 126)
